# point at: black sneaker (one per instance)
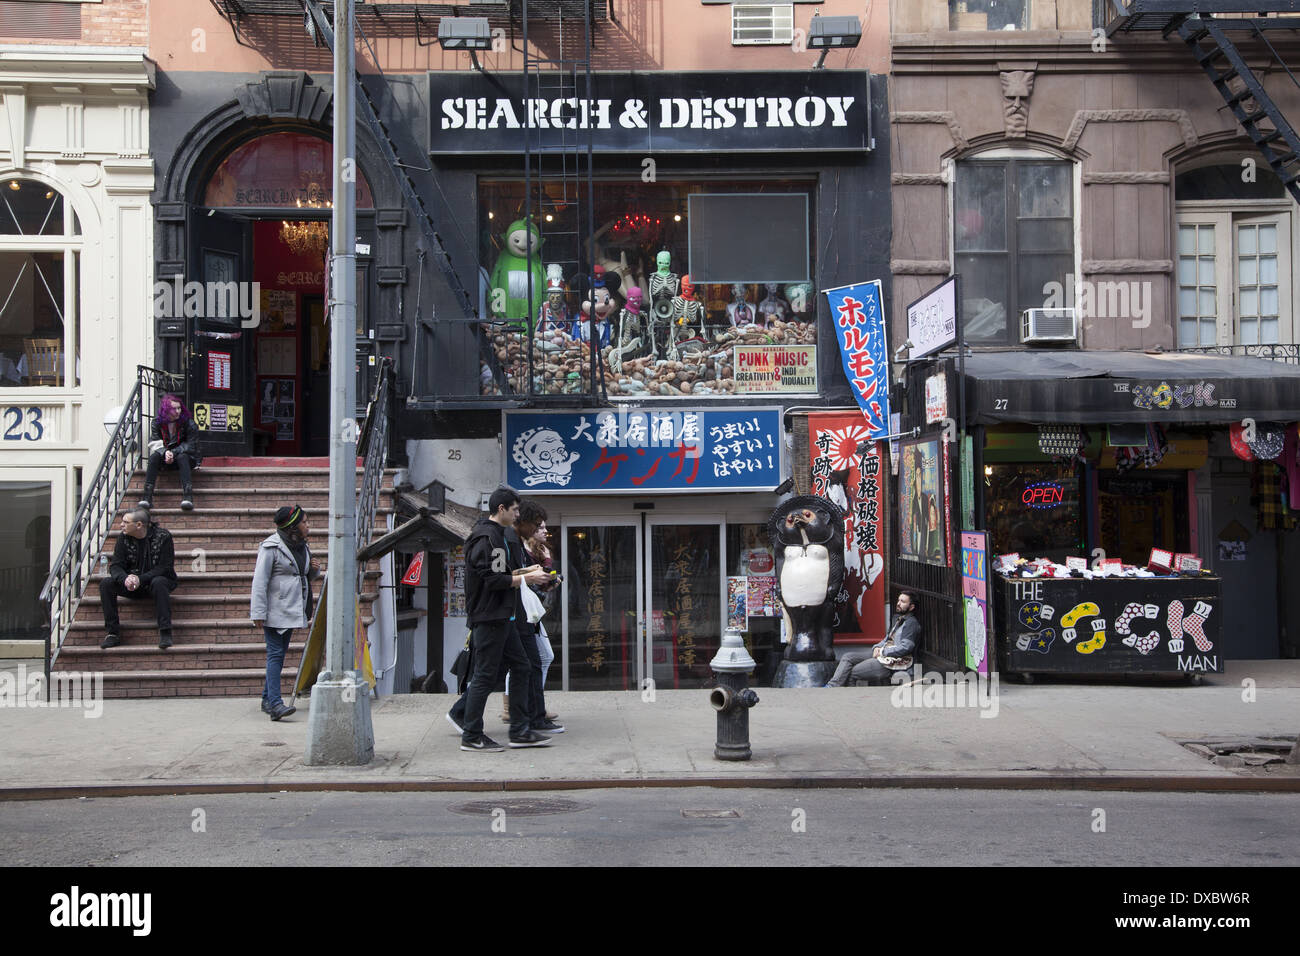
(482, 743)
(531, 739)
(266, 708)
(284, 710)
(110, 640)
(548, 727)
(452, 720)
(187, 504)
(164, 639)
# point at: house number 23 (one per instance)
(20, 424)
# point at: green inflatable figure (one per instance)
(512, 275)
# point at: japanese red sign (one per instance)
(848, 469)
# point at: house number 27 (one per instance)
(23, 424)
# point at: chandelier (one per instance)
(306, 237)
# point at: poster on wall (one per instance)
(975, 597)
(776, 368)
(922, 505)
(737, 603)
(848, 468)
(279, 310)
(762, 600)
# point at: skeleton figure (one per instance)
(630, 331)
(687, 319)
(664, 287)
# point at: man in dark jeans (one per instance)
(141, 568)
(493, 572)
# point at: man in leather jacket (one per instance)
(141, 568)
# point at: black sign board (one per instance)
(715, 112)
(1160, 625)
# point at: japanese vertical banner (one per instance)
(858, 314)
(849, 469)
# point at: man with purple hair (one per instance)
(174, 441)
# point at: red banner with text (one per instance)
(850, 470)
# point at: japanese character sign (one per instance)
(858, 315)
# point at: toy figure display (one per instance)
(517, 268)
(664, 286)
(739, 311)
(554, 313)
(807, 534)
(687, 321)
(773, 308)
(630, 331)
(599, 306)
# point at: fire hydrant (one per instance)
(732, 698)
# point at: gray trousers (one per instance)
(862, 667)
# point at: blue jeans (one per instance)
(277, 645)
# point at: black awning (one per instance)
(1095, 387)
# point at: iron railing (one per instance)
(374, 440)
(1289, 354)
(82, 550)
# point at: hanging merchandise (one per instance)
(1266, 495)
(1237, 440)
(1268, 441)
(1060, 440)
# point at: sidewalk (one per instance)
(1047, 735)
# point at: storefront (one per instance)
(1103, 464)
(75, 178)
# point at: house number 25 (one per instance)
(14, 420)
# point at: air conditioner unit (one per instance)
(1048, 326)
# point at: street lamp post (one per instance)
(339, 729)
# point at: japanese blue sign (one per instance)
(630, 450)
(858, 314)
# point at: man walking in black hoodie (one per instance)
(493, 573)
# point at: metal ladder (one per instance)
(1255, 110)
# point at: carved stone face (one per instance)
(663, 261)
(1017, 85)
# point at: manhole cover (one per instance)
(710, 814)
(273, 743)
(525, 807)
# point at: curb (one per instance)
(1148, 784)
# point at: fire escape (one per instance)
(1215, 31)
(557, 178)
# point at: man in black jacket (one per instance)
(895, 653)
(141, 568)
(493, 572)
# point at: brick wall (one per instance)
(111, 23)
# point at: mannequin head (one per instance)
(740, 292)
(634, 298)
(663, 261)
(688, 288)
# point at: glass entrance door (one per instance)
(603, 603)
(683, 558)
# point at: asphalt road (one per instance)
(659, 827)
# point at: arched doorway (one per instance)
(255, 308)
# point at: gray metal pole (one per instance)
(339, 729)
(342, 598)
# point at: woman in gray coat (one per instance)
(282, 597)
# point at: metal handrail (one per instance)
(1289, 354)
(375, 439)
(72, 568)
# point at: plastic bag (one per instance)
(532, 603)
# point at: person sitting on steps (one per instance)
(174, 441)
(141, 567)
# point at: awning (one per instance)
(423, 529)
(1095, 387)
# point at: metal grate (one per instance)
(754, 24)
(45, 21)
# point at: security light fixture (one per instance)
(831, 33)
(465, 33)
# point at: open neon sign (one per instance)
(1043, 494)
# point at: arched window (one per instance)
(40, 249)
(1013, 238)
(279, 170)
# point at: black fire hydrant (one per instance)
(732, 698)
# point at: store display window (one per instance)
(1035, 510)
(628, 292)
